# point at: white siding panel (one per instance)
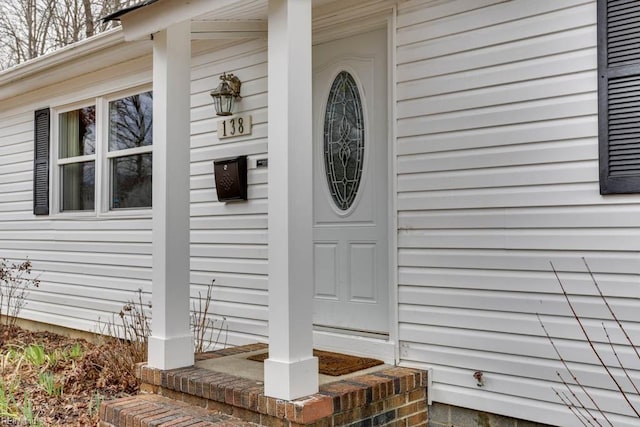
(534, 111)
(538, 239)
(565, 261)
(497, 161)
(613, 285)
(509, 73)
(552, 217)
(229, 240)
(513, 176)
(236, 280)
(492, 157)
(524, 133)
(518, 20)
(505, 94)
(507, 57)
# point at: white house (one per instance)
(427, 160)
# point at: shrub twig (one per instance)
(590, 342)
(572, 407)
(15, 281)
(578, 408)
(615, 353)
(573, 377)
(613, 314)
(201, 323)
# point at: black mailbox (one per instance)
(231, 178)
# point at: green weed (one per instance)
(7, 400)
(28, 414)
(94, 406)
(36, 355)
(47, 381)
(75, 352)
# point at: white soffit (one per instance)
(243, 10)
(140, 23)
(227, 19)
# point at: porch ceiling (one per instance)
(231, 21)
(239, 18)
(253, 9)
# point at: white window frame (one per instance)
(108, 156)
(102, 158)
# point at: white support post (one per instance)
(171, 343)
(291, 370)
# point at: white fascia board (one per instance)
(143, 22)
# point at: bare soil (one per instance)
(83, 380)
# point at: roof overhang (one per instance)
(115, 16)
(238, 19)
(151, 16)
(86, 56)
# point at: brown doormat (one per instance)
(333, 364)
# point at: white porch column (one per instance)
(291, 370)
(171, 343)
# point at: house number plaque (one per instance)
(235, 126)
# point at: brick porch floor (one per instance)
(196, 396)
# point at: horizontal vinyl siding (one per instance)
(91, 266)
(229, 240)
(88, 267)
(497, 177)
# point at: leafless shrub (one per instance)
(203, 326)
(124, 344)
(586, 409)
(124, 339)
(15, 281)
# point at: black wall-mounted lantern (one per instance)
(231, 178)
(225, 95)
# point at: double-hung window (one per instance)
(129, 152)
(104, 158)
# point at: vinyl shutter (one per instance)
(619, 95)
(41, 162)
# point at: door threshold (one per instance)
(375, 345)
(356, 332)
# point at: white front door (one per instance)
(350, 231)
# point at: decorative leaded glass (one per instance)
(344, 140)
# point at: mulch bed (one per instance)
(84, 382)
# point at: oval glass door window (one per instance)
(344, 140)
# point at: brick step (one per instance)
(383, 396)
(149, 410)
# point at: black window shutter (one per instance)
(41, 162)
(619, 95)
